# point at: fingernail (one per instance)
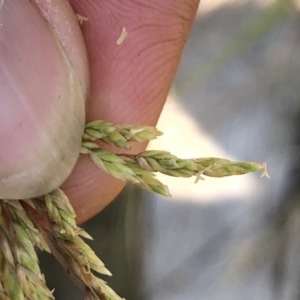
(42, 111)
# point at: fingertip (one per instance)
(39, 88)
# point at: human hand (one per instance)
(128, 83)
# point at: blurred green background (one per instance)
(236, 95)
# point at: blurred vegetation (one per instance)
(120, 231)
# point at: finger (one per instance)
(129, 82)
(39, 88)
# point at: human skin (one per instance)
(128, 83)
(128, 86)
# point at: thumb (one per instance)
(42, 92)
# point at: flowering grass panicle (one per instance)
(49, 222)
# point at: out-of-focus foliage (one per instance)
(239, 82)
